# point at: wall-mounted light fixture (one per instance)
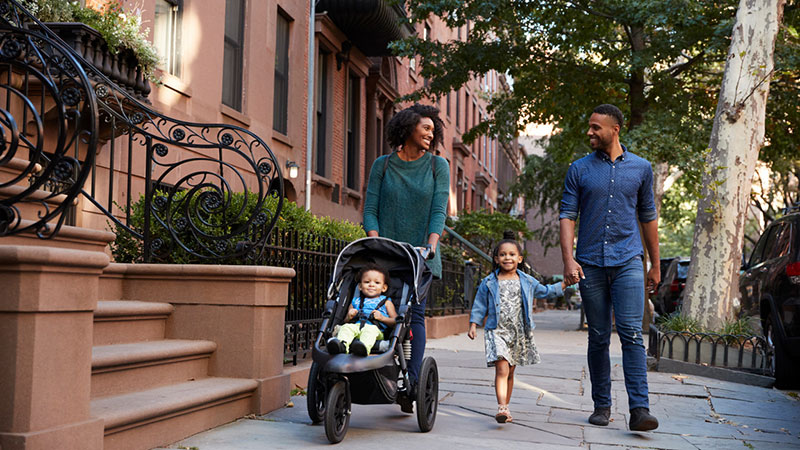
(294, 169)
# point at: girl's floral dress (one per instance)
(510, 340)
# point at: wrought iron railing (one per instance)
(68, 131)
(746, 353)
(448, 295)
(313, 259)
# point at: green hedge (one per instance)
(220, 222)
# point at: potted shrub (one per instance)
(111, 39)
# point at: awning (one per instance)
(369, 24)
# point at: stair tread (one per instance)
(135, 352)
(132, 407)
(117, 308)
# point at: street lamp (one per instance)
(294, 169)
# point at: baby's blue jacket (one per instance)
(487, 300)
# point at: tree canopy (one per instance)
(660, 61)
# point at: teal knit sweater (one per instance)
(406, 203)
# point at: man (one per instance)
(612, 192)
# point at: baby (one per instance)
(369, 315)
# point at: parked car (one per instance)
(669, 293)
(769, 285)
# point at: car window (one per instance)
(756, 256)
(783, 241)
(683, 269)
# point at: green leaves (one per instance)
(660, 61)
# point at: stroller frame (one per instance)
(330, 390)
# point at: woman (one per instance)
(407, 199)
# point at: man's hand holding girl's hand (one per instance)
(573, 272)
(473, 328)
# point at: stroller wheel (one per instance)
(315, 395)
(427, 394)
(337, 412)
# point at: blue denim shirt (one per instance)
(609, 196)
(487, 300)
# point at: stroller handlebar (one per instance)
(426, 252)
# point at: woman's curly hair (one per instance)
(403, 123)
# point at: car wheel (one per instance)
(783, 368)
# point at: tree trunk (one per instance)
(660, 175)
(737, 137)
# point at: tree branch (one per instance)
(677, 69)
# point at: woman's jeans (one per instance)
(619, 288)
(418, 342)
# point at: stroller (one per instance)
(336, 381)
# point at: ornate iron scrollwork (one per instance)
(41, 81)
(210, 191)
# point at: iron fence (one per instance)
(746, 353)
(76, 124)
(312, 258)
(450, 294)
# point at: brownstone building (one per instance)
(105, 354)
(253, 72)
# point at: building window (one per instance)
(458, 107)
(233, 57)
(483, 151)
(322, 114)
(467, 115)
(448, 103)
(280, 97)
(167, 34)
(353, 131)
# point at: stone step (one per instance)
(121, 368)
(126, 321)
(160, 416)
(16, 166)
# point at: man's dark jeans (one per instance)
(622, 288)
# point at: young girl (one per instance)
(506, 299)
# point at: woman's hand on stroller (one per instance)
(426, 252)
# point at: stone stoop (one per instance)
(150, 390)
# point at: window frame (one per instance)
(281, 74)
(238, 80)
(173, 57)
(322, 112)
(352, 131)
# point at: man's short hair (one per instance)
(610, 110)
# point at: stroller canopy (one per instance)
(392, 255)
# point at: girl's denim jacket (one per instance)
(487, 300)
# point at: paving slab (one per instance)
(709, 443)
(784, 410)
(581, 418)
(551, 405)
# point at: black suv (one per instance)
(770, 288)
(669, 294)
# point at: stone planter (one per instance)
(122, 68)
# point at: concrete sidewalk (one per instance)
(550, 405)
